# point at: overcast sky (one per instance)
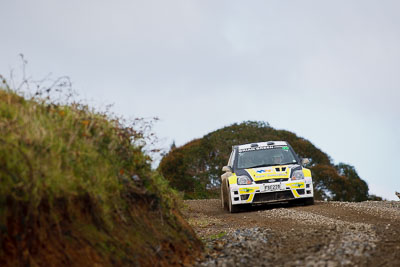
(326, 70)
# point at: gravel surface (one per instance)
(325, 234)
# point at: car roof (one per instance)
(262, 144)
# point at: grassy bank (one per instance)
(75, 191)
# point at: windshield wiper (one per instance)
(262, 165)
(288, 163)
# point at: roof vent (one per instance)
(270, 143)
(254, 145)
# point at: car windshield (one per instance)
(265, 157)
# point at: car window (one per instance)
(265, 157)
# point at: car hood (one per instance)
(272, 172)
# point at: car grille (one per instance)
(262, 197)
(272, 180)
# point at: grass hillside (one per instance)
(74, 190)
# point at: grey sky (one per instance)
(326, 70)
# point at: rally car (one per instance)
(265, 172)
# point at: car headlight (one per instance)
(298, 175)
(244, 180)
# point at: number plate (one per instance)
(272, 187)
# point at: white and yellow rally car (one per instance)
(265, 172)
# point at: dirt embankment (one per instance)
(325, 234)
(142, 235)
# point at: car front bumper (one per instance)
(281, 191)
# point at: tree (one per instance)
(173, 145)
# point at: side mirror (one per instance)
(226, 169)
(305, 161)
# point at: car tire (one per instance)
(231, 208)
(224, 205)
(308, 201)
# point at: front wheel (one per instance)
(223, 198)
(308, 201)
(232, 208)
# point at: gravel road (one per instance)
(325, 234)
